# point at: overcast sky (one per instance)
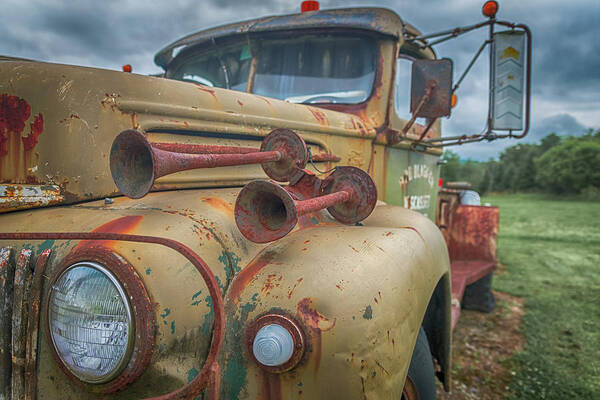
(110, 33)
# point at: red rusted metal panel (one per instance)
(473, 233)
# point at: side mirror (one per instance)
(507, 73)
(431, 88)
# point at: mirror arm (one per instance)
(430, 88)
(464, 74)
(429, 125)
(450, 32)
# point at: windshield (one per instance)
(306, 69)
(325, 69)
(218, 67)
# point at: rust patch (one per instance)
(317, 323)
(120, 225)
(289, 295)
(273, 281)
(249, 273)
(218, 204)
(35, 130)
(271, 386)
(207, 90)
(473, 233)
(319, 116)
(14, 111)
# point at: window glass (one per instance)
(310, 69)
(402, 87)
(218, 67)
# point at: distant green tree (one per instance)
(571, 166)
(548, 142)
(518, 167)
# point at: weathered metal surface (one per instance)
(434, 76)
(13, 197)
(334, 295)
(265, 211)
(20, 316)
(362, 194)
(473, 233)
(202, 379)
(33, 323)
(135, 164)
(354, 271)
(411, 181)
(212, 149)
(7, 272)
(379, 20)
(15, 147)
(294, 155)
(464, 273)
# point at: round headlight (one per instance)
(90, 322)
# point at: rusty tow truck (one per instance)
(261, 222)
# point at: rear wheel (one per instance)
(420, 381)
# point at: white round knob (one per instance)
(273, 345)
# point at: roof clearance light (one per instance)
(127, 68)
(453, 101)
(490, 8)
(309, 5)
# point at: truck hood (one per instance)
(61, 121)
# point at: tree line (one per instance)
(557, 165)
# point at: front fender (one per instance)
(360, 294)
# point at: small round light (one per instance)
(490, 8)
(90, 322)
(273, 345)
(127, 68)
(309, 5)
(453, 100)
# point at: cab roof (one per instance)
(379, 20)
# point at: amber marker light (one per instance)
(454, 100)
(490, 8)
(309, 5)
(127, 68)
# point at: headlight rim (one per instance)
(141, 340)
(131, 323)
(292, 326)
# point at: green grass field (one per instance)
(551, 252)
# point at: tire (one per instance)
(420, 382)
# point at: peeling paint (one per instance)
(368, 314)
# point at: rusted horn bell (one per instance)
(135, 164)
(265, 211)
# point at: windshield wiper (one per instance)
(223, 65)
